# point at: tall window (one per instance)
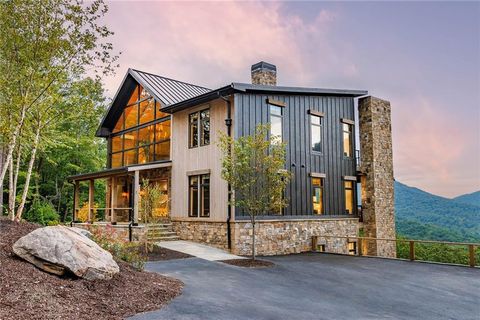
(316, 127)
(142, 132)
(317, 186)
(276, 123)
(199, 196)
(347, 140)
(349, 199)
(199, 128)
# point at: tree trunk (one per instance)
(11, 190)
(253, 237)
(2, 164)
(29, 175)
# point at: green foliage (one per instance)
(471, 198)
(421, 215)
(42, 212)
(151, 195)
(123, 250)
(254, 166)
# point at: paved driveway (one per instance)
(320, 286)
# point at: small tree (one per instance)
(151, 196)
(254, 166)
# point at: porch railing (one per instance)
(453, 253)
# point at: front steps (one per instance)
(161, 232)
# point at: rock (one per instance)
(57, 249)
(83, 232)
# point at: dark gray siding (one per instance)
(251, 109)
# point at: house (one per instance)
(166, 130)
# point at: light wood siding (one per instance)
(251, 109)
(201, 158)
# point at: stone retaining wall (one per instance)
(211, 233)
(139, 232)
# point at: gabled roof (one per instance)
(165, 90)
(245, 88)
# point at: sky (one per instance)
(424, 57)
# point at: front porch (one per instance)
(127, 198)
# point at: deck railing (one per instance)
(453, 253)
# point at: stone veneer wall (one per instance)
(211, 233)
(277, 237)
(377, 182)
(264, 77)
(139, 232)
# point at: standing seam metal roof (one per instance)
(168, 91)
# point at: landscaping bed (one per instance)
(29, 293)
(156, 253)
(249, 263)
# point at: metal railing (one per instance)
(455, 253)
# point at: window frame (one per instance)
(281, 116)
(199, 128)
(350, 132)
(200, 186)
(322, 190)
(319, 126)
(352, 189)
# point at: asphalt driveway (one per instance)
(320, 286)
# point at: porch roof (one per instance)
(122, 170)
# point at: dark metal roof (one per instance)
(165, 90)
(97, 175)
(245, 87)
(262, 65)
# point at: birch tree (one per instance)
(254, 166)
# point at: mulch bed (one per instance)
(249, 263)
(157, 253)
(29, 293)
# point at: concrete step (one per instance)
(161, 234)
(164, 238)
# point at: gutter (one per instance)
(228, 123)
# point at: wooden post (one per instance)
(91, 190)
(136, 196)
(412, 250)
(113, 200)
(360, 246)
(76, 199)
(314, 243)
(471, 251)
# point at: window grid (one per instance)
(199, 196)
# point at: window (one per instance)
(275, 123)
(199, 128)
(317, 186)
(347, 140)
(349, 196)
(316, 128)
(352, 248)
(199, 196)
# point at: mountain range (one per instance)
(422, 215)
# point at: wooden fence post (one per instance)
(412, 250)
(471, 250)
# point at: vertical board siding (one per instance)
(252, 109)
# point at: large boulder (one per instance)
(58, 249)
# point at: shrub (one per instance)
(118, 247)
(82, 214)
(42, 212)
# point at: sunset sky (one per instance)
(423, 57)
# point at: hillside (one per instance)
(421, 215)
(471, 198)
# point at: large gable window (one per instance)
(142, 133)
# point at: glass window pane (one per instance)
(159, 113)
(205, 209)
(144, 93)
(276, 128)
(349, 197)
(130, 139)
(316, 137)
(119, 126)
(145, 135)
(317, 195)
(347, 140)
(193, 130)
(145, 154)
(205, 127)
(162, 131)
(131, 116)
(275, 110)
(117, 143)
(133, 97)
(130, 157)
(193, 197)
(147, 110)
(117, 160)
(162, 151)
(315, 119)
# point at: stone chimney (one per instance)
(377, 180)
(264, 73)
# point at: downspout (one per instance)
(228, 123)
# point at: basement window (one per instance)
(352, 248)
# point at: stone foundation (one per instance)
(211, 233)
(139, 233)
(275, 237)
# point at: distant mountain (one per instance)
(422, 215)
(471, 198)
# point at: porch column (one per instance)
(113, 200)
(76, 199)
(136, 195)
(91, 190)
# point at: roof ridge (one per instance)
(171, 79)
